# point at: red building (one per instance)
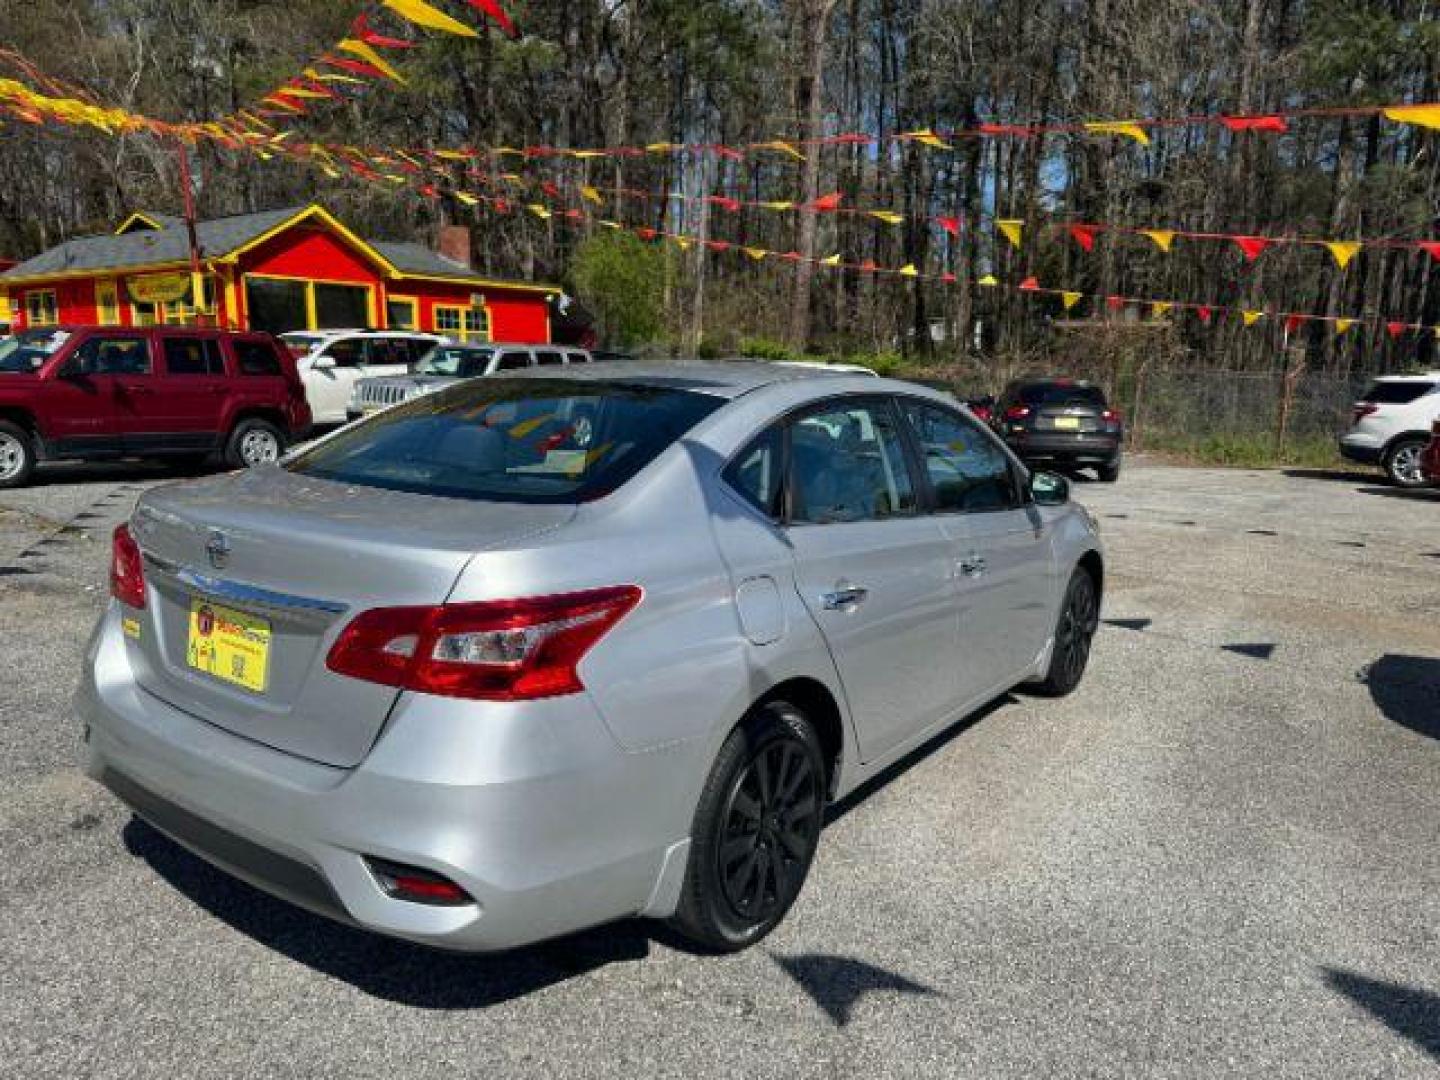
(292, 269)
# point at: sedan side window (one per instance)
(755, 473)
(513, 361)
(847, 463)
(967, 470)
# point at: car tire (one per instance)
(756, 828)
(17, 455)
(1403, 463)
(1074, 632)
(1108, 473)
(254, 442)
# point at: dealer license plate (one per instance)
(228, 645)
(1068, 423)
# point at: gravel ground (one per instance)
(1217, 858)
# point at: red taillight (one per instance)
(1017, 412)
(127, 568)
(1110, 416)
(494, 650)
(1362, 410)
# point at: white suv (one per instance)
(445, 365)
(1391, 425)
(333, 361)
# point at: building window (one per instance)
(463, 324)
(401, 313)
(40, 308)
(107, 302)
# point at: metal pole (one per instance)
(197, 287)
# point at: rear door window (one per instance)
(1396, 392)
(548, 356)
(512, 440)
(513, 361)
(255, 357)
(193, 356)
(847, 463)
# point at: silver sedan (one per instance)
(534, 653)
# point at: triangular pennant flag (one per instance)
(423, 14)
(718, 245)
(1030, 284)
(360, 28)
(950, 224)
(1255, 123)
(539, 211)
(908, 270)
(827, 202)
(1341, 325)
(928, 137)
(1204, 312)
(869, 265)
(646, 233)
(832, 260)
(682, 242)
(779, 204)
(1430, 247)
(1084, 235)
(496, 12)
(1250, 318)
(1161, 238)
(1114, 303)
(780, 145)
(1012, 228)
(610, 224)
(1160, 308)
(889, 217)
(1423, 115)
(590, 194)
(1395, 329)
(369, 56)
(1070, 299)
(755, 253)
(1293, 323)
(1252, 246)
(988, 281)
(466, 198)
(948, 278)
(1129, 128)
(724, 202)
(1343, 251)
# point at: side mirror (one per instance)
(322, 363)
(1048, 489)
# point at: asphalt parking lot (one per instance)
(1219, 857)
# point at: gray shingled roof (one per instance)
(411, 258)
(147, 246)
(165, 221)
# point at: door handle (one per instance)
(972, 565)
(135, 388)
(843, 599)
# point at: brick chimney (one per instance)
(455, 244)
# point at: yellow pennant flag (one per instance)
(1424, 115)
(780, 145)
(1343, 251)
(583, 154)
(1341, 325)
(1161, 238)
(1160, 308)
(466, 198)
(590, 194)
(682, 242)
(928, 138)
(889, 217)
(1011, 227)
(423, 14)
(778, 205)
(833, 260)
(330, 171)
(301, 92)
(908, 270)
(1070, 299)
(1250, 318)
(513, 179)
(452, 155)
(755, 253)
(1128, 128)
(610, 224)
(325, 76)
(538, 210)
(661, 147)
(358, 48)
(988, 281)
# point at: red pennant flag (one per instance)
(355, 67)
(1293, 323)
(948, 278)
(791, 256)
(729, 152)
(1030, 284)
(1205, 313)
(718, 245)
(724, 202)
(496, 12)
(950, 224)
(574, 215)
(429, 191)
(1430, 247)
(827, 202)
(1115, 303)
(1252, 246)
(360, 28)
(1004, 129)
(1084, 235)
(1395, 329)
(1256, 123)
(870, 265)
(549, 188)
(646, 233)
(500, 206)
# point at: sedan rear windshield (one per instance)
(511, 440)
(1046, 395)
(1396, 392)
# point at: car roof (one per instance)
(727, 379)
(1424, 376)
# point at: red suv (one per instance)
(1430, 460)
(105, 392)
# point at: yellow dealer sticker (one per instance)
(229, 645)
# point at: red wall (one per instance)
(514, 316)
(310, 253)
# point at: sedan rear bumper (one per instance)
(534, 810)
(1090, 448)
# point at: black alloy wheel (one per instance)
(1074, 632)
(756, 829)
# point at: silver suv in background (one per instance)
(1390, 425)
(447, 364)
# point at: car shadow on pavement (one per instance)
(117, 472)
(1407, 690)
(386, 968)
(1414, 494)
(1338, 475)
(1405, 1010)
(837, 983)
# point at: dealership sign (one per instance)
(159, 288)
